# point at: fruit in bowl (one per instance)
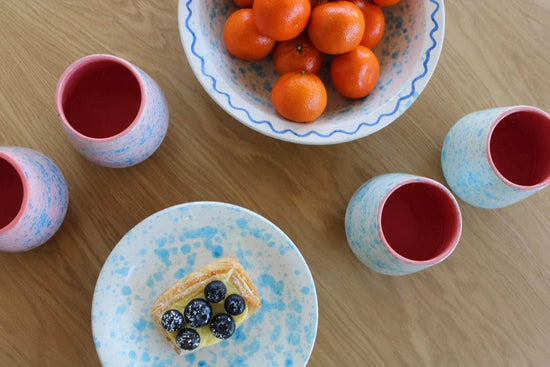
(407, 55)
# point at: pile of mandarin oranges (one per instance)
(300, 33)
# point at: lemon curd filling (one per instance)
(207, 338)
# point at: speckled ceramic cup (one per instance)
(399, 224)
(113, 112)
(497, 157)
(33, 199)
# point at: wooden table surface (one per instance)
(487, 305)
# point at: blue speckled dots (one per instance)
(408, 55)
(364, 227)
(466, 165)
(173, 243)
(45, 200)
(137, 142)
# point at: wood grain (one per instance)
(487, 305)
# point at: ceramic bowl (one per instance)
(408, 55)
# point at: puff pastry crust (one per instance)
(227, 269)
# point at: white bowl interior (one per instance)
(243, 87)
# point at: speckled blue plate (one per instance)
(171, 244)
(408, 55)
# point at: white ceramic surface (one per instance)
(171, 244)
(408, 55)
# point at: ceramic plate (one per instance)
(171, 244)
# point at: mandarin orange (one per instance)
(297, 54)
(299, 96)
(281, 20)
(375, 23)
(243, 40)
(336, 27)
(385, 2)
(244, 3)
(355, 74)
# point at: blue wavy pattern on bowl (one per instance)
(401, 103)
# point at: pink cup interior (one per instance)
(12, 193)
(420, 222)
(519, 147)
(99, 97)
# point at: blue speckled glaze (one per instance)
(362, 224)
(408, 55)
(171, 244)
(137, 144)
(48, 198)
(466, 166)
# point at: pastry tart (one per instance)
(206, 306)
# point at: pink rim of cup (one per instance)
(33, 196)
(398, 223)
(77, 67)
(114, 113)
(446, 205)
(24, 200)
(533, 120)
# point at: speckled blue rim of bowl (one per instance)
(350, 125)
(240, 231)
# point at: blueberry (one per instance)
(222, 326)
(234, 305)
(215, 291)
(198, 313)
(172, 320)
(188, 339)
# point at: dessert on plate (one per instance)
(206, 306)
